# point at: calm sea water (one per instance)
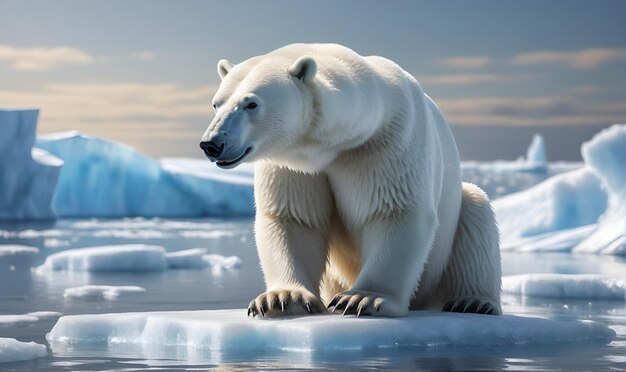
(22, 291)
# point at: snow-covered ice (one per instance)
(582, 210)
(107, 179)
(566, 286)
(131, 257)
(28, 175)
(135, 257)
(220, 330)
(102, 292)
(12, 350)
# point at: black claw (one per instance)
(491, 311)
(249, 311)
(262, 310)
(308, 308)
(333, 302)
(448, 306)
(282, 306)
(377, 308)
(472, 308)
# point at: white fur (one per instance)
(357, 185)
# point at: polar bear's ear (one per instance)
(304, 69)
(223, 66)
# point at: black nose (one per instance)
(214, 146)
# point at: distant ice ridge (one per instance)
(535, 160)
(135, 257)
(28, 175)
(12, 350)
(566, 286)
(582, 210)
(231, 330)
(13, 257)
(102, 292)
(102, 178)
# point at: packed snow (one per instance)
(135, 257)
(232, 330)
(102, 292)
(583, 210)
(566, 286)
(28, 175)
(12, 350)
(107, 179)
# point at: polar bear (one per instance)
(360, 204)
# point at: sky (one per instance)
(143, 72)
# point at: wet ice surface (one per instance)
(204, 289)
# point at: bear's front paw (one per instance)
(354, 302)
(285, 302)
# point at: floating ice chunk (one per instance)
(221, 263)
(18, 251)
(535, 161)
(187, 259)
(10, 320)
(28, 176)
(197, 258)
(102, 292)
(223, 330)
(574, 286)
(108, 179)
(132, 257)
(12, 350)
(17, 256)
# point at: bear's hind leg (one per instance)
(472, 279)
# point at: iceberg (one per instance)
(12, 350)
(102, 292)
(132, 258)
(566, 286)
(28, 175)
(605, 154)
(535, 160)
(231, 330)
(583, 210)
(102, 178)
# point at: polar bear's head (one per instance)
(262, 107)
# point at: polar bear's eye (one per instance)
(251, 106)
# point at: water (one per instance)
(22, 291)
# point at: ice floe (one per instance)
(223, 330)
(566, 286)
(135, 257)
(102, 292)
(12, 350)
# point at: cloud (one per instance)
(143, 115)
(466, 62)
(459, 79)
(515, 111)
(581, 59)
(40, 59)
(144, 55)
